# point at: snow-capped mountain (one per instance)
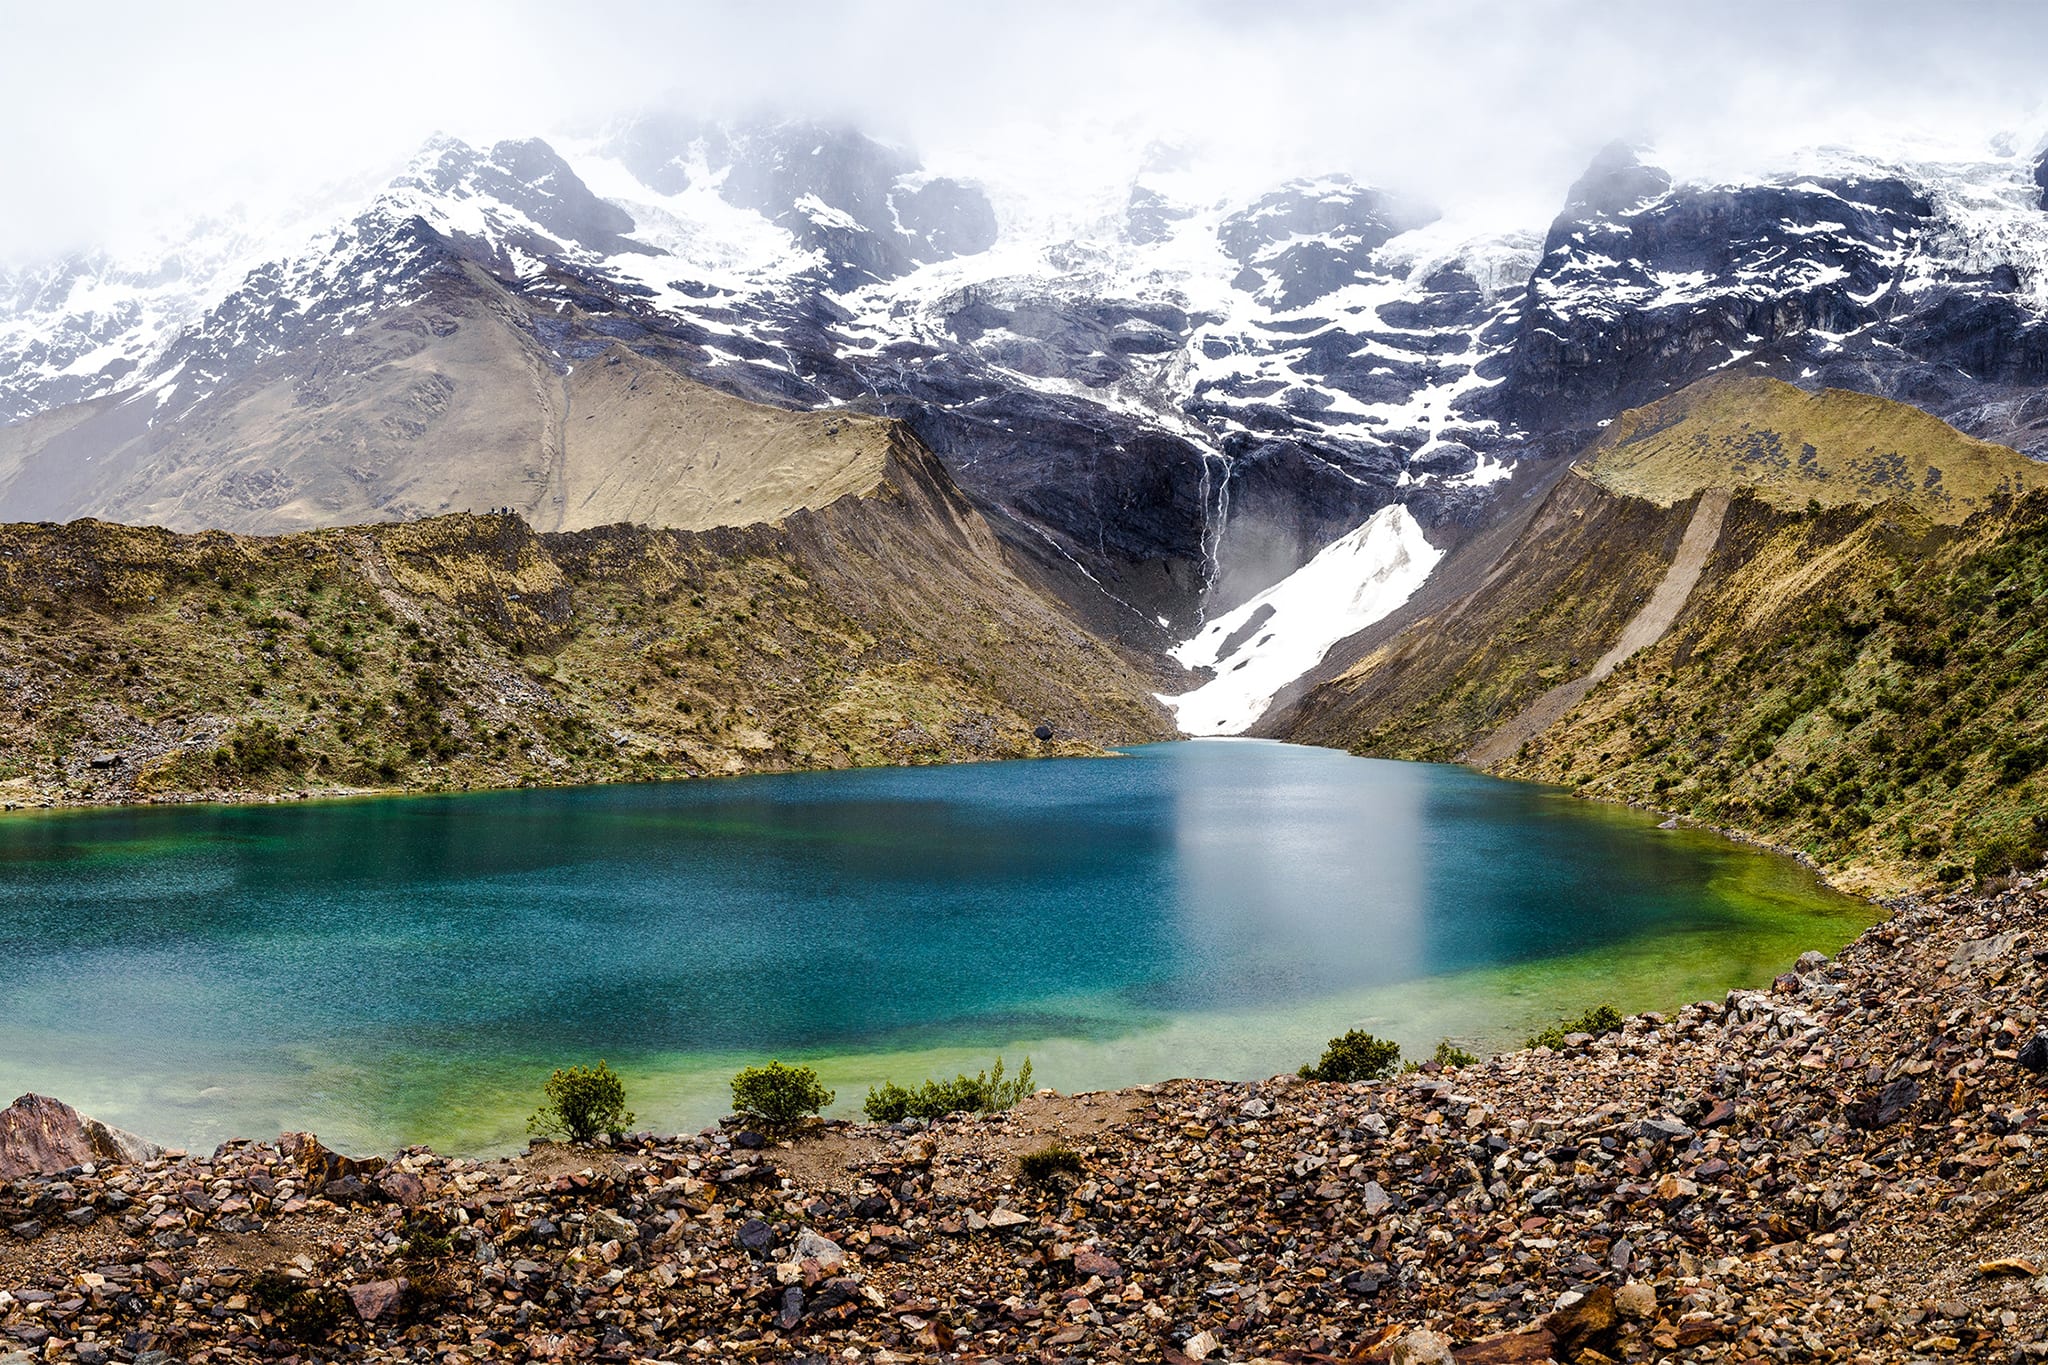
(1169, 402)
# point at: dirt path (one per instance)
(1644, 629)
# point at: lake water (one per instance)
(409, 969)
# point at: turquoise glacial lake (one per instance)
(399, 970)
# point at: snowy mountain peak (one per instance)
(1172, 395)
(1615, 180)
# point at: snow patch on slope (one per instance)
(1277, 636)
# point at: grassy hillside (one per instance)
(1866, 688)
(1833, 448)
(1539, 617)
(468, 651)
(1858, 677)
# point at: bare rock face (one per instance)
(40, 1136)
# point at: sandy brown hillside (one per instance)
(1683, 623)
(447, 405)
(471, 650)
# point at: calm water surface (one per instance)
(404, 970)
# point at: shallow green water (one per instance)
(407, 970)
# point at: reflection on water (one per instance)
(404, 970)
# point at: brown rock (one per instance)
(377, 1298)
(1090, 1262)
(1587, 1321)
(402, 1187)
(1421, 1347)
(41, 1136)
(2009, 1265)
(322, 1164)
(1510, 1348)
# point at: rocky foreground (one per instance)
(1842, 1167)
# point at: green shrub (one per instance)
(254, 749)
(1041, 1166)
(1596, 1021)
(1449, 1053)
(581, 1103)
(1356, 1056)
(981, 1093)
(778, 1095)
(2014, 851)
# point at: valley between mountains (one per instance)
(694, 449)
(697, 447)
(1806, 619)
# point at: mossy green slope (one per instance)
(1835, 448)
(1858, 677)
(470, 651)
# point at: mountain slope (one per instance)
(884, 626)
(1858, 680)
(444, 405)
(1165, 392)
(1833, 448)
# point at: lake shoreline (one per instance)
(1646, 1193)
(48, 804)
(44, 804)
(1220, 909)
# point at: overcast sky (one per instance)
(119, 113)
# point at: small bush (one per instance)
(1356, 1056)
(981, 1093)
(2019, 851)
(778, 1095)
(1044, 1165)
(1596, 1021)
(581, 1103)
(1449, 1053)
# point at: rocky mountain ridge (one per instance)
(1165, 409)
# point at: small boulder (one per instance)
(602, 1225)
(41, 1136)
(1089, 1263)
(2033, 1055)
(323, 1165)
(402, 1187)
(376, 1299)
(1584, 1319)
(1636, 1301)
(1887, 1106)
(1663, 1129)
(755, 1237)
(1421, 1347)
(810, 1246)
(1981, 950)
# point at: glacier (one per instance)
(1269, 641)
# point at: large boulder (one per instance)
(41, 1136)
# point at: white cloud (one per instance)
(121, 113)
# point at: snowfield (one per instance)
(1286, 630)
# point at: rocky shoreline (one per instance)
(1841, 1167)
